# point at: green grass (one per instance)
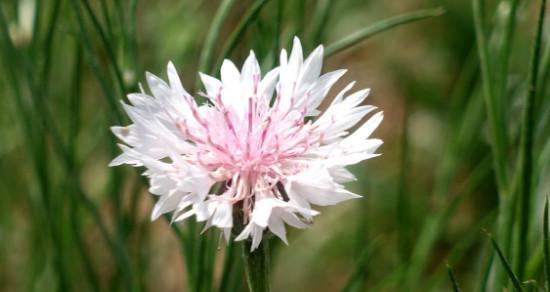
(466, 145)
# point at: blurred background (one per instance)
(466, 144)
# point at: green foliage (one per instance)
(466, 145)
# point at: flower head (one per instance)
(258, 150)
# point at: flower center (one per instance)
(253, 137)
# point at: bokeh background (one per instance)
(70, 223)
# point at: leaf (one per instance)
(513, 277)
(452, 278)
(213, 34)
(362, 34)
(358, 275)
(235, 36)
(526, 153)
(545, 245)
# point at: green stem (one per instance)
(526, 146)
(236, 35)
(378, 27)
(257, 266)
(495, 118)
(213, 35)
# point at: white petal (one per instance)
(267, 84)
(311, 68)
(184, 215)
(201, 211)
(230, 75)
(277, 226)
(158, 87)
(262, 211)
(245, 233)
(174, 79)
(166, 204)
(365, 130)
(323, 197)
(296, 57)
(316, 94)
(125, 159)
(223, 217)
(251, 69)
(257, 233)
(211, 84)
(293, 220)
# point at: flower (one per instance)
(258, 151)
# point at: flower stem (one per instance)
(257, 266)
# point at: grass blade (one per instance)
(403, 213)
(496, 121)
(452, 278)
(545, 246)
(237, 33)
(319, 22)
(357, 278)
(362, 34)
(526, 144)
(485, 269)
(103, 36)
(460, 251)
(213, 34)
(513, 277)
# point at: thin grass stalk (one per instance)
(459, 251)
(452, 278)
(497, 131)
(435, 223)
(526, 145)
(319, 21)
(546, 246)
(208, 275)
(496, 121)
(205, 61)
(74, 109)
(228, 266)
(232, 269)
(402, 207)
(116, 246)
(544, 79)
(278, 29)
(117, 117)
(465, 123)
(513, 277)
(48, 45)
(504, 56)
(299, 14)
(107, 19)
(114, 111)
(131, 39)
(257, 266)
(536, 262)
(378, 27)
(36, 26)
(236, 35)
(357, 279)
(10, 56)
(486, 268)
(391, 282)
(108, 46)
(186, 246)
(38, 151)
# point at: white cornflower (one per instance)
(258, 150)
